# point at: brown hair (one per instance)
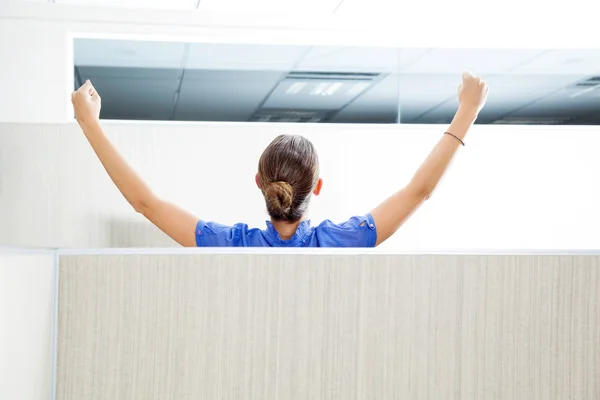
(288, 171)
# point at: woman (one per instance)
(288, 175)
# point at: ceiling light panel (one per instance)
(136, 4)
(480, 61)
(313, 95)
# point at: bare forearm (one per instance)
(129, 183)
(435, 165)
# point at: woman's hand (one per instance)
(472, 94)
(86, 104)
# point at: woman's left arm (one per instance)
(395, 210)
(176, 222)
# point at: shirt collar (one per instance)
(301, 233)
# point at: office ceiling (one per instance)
(225, 82)
(272, 6)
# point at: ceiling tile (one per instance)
(222, 100)
(243, 56)
(270, 6)
(369, 7)
(234, 76)
(433, 86)
(584, 62)
(358, 59)
(147, 99)
(563, 103)
(127, 53)
(515, 82)
(93, 73)
(514, 100)
(420, 93)
(479, 61)
(593, 119)
(499, 103)
(377, 105)
(139, 4)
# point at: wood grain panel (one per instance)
(329, 327)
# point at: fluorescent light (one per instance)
(326, 88)
(531, 121)
(333, 88)
(295, 88)
(357, 89)
(320, 89)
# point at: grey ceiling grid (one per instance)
(184, 58)
(233, 82)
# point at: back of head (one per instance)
(288, 172)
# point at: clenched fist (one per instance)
(472, 93)
(86, 103)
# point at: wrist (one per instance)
(468, 113)
(87, 124)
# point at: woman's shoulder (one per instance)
(358, 231)
(215, 234)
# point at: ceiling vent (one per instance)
(333, 76)
(313, 96)
(589, 82)
(532, 121)
(290, 116)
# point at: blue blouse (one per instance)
(356, 232)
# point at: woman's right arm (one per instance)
(395, 210)
(177, 223)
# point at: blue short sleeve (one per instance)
(212, 234)
(356, 232)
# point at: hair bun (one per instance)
(279, 196)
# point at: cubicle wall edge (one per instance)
(28, 299)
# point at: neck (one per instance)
(286, 229)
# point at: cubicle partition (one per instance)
(27, 317)
(334, 325)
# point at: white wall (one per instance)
(26, 321)
(510, 187)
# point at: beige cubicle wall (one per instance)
(328, 326)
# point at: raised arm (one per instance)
(395, 210)
(172, 220)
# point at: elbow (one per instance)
(140, 207)
(423, 193)
(145, 205)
